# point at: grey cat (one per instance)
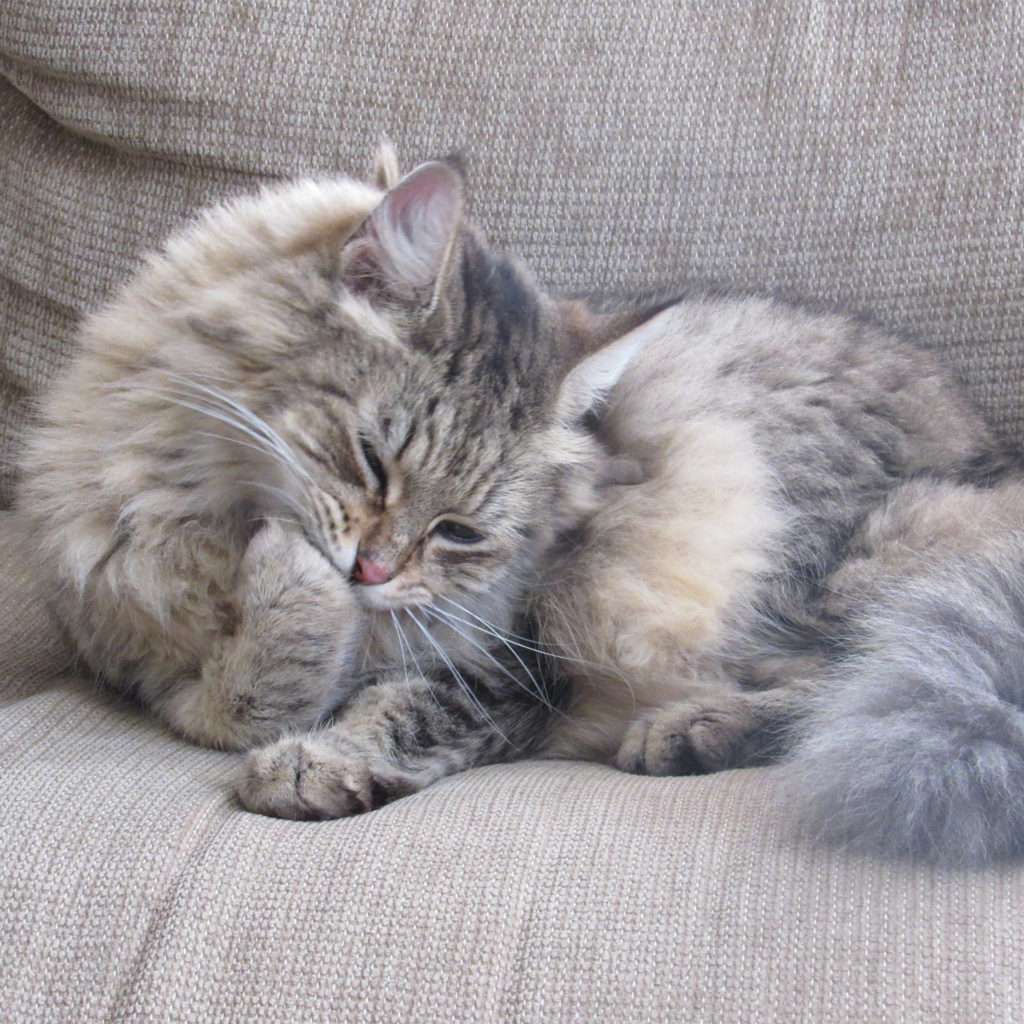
(332, 480)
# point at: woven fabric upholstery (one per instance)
(134, 890)
(865, 154)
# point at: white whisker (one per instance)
(513, 639)
(264, 443)
(401, 640)
(484, 626)
(582, 661)
(536, 691)
(403, 644)
(223, 406)
(521, 641)
(278, 492)
(234, 440)
(458, 675)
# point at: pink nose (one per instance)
(369, 571)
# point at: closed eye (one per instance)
(456, 532)
(379, 478)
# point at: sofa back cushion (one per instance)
(867, 155)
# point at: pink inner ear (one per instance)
(433, 190)
(401, 248)
(362, 264)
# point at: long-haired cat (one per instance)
(331, 479)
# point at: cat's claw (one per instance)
(690, 738)
(311, 778)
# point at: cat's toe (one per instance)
(689, 738)
(303, 778)
(311, 778)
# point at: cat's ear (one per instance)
(586, 384)
(598, 350)
(386, 174)
(398, 255)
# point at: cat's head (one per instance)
(426, 426)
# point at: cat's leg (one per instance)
(735, 729)
(394, 738)
(292, 629)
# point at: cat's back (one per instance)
(764, 434)
(803, 384)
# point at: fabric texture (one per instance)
(135, 890)
(868, 155)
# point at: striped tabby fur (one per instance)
(332, 480)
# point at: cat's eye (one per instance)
(459, 533)
(375, 466)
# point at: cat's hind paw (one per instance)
(313, 778)
(691, 738)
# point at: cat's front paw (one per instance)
(215, 716)
(315, 778)
(691, 738)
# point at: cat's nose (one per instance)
(368, 571)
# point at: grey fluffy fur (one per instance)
(804, 477)
(288, 488)
(332, 482)
(916, 744)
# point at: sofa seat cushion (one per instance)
(135, 889)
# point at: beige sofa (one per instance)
(866, 154)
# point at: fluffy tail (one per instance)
(917, 747)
